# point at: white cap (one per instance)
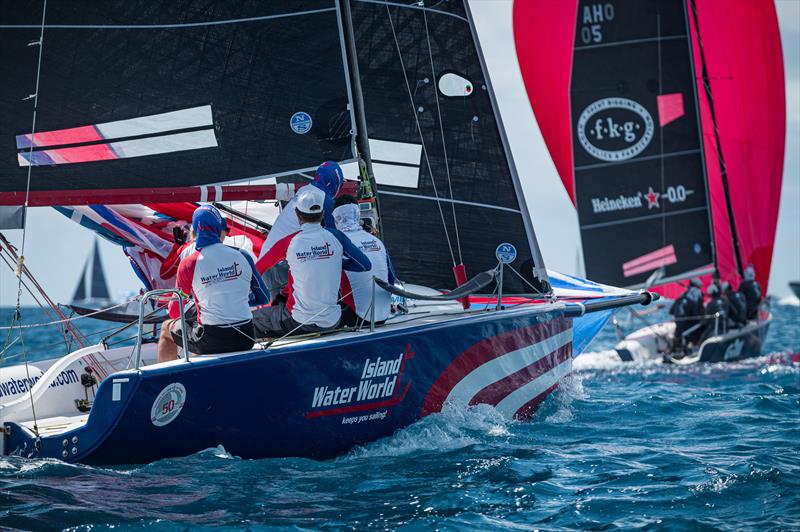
(310, 200)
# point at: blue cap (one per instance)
(329, 177)
(207, 224)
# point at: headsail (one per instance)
(138, 95)
(447, 186)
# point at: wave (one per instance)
(455, 427)
(788, 301)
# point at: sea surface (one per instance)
(704, 447)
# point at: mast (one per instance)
(361, 131)
(720, 157)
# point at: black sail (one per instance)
(144, 94)
(640, 182)
(98, 289)
(434, 133)
(80, 291)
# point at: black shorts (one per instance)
(210, 339)
(351, 319)
(275, 321)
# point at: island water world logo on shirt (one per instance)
(301, 123)
(615, 129)
(168, 404)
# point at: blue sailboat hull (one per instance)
(319, 398)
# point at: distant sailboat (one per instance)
(795, 286)
(92, 287)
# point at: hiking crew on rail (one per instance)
(223, 283)
(316, 257)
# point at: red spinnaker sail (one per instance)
(741, 47)
(543, 34)
(742, 54)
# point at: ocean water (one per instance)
(702, 447)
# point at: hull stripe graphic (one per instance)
(516, 403)
(496, 369)
(505, 353)
(496, 392)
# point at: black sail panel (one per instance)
(640, 183)
(433, 133)
(143, 94)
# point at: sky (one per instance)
(56, 249)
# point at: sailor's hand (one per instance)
(180, 234)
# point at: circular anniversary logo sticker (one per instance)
(168, 404)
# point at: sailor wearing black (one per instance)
(751, 291)
(736, 304)
(717, 312)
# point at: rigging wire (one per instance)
(421, 137)
(444, 144)
(21, 258)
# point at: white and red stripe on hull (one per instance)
(513, 371)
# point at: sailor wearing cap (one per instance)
(329, 179)
(316, 257)
(223, 283)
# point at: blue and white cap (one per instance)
(310, 200)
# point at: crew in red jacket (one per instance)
(316, 257)
(223, 283)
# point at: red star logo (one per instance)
(652, 198)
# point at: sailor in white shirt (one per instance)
(329, 179)
(357, 286)
(316, 257)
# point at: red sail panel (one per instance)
(543, 34)
(742, 52)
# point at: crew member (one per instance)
(717, 312)
(357, 286)
(680, 312)
(316, 257)
(751, 290)
(736, 305)
(223, 283)
(329, 179)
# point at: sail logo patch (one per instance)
(651, 198)
(615, 129)
(168, 404)
(301, 123)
